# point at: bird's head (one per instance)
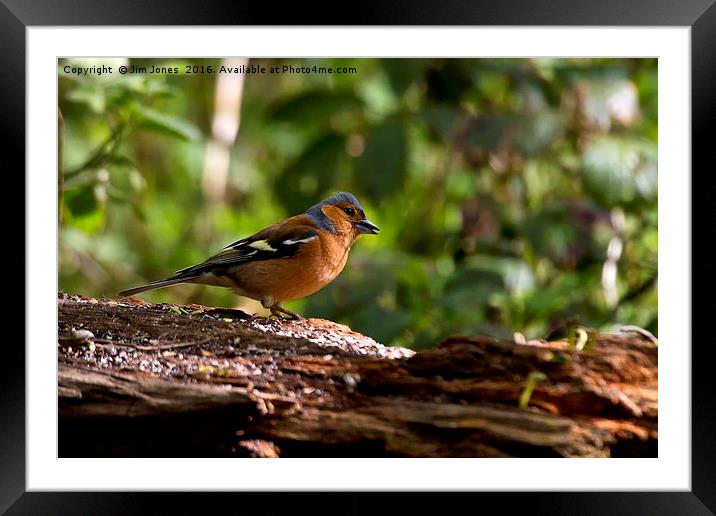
(342, 213)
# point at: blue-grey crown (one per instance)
(321, 219)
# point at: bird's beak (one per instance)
(366, 226)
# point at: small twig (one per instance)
(99, 154)
(630, 328)
(639, 290)
(532, 379)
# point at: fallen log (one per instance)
(159, 380)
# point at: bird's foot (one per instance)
(283, 314)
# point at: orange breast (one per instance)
(315, 265)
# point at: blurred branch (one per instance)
(224, 129)
(614, 252)
(99, 156)
(644, 287)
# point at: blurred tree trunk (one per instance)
(224, 130)
(160, 380)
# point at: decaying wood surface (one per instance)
(161, 380)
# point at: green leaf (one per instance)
(442, 119)
(563, 232)
(540, 131)
(118, 196)
(487, 131)
(165, 123)
(82, 201)
(469, 288)
(382, 167)
(620, 171)
(83, 209)
(403, 73)
(314, 106)
(449, 79)
(313, 173)
(492, 85)
(91, 95)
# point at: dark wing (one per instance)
(277, 241)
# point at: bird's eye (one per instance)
(349, 211)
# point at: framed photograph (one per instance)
(424, 249)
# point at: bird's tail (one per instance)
(156, 284)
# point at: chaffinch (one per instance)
(290, 259)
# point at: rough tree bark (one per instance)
(159, 380)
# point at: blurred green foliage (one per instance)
(513, 194)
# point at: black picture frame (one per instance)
(700, 15)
